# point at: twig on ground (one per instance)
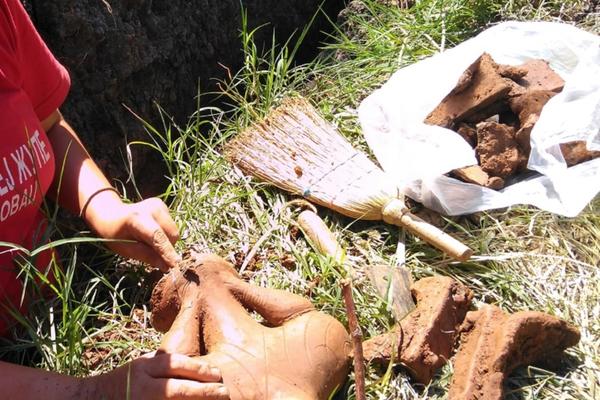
(356, 335)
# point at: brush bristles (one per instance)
(295, 149)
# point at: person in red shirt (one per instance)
(41, 155)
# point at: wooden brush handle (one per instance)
(322, 238)
(396, 213)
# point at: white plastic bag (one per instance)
(417, 155)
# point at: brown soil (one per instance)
(494, 343)
(296, 353)
(423, 341)
(514, 97)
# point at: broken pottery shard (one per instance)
(495, 182)
(512, 72)
(541, 77)
(576, 152)
(488, 112)
(472, 174)
(485, 87)
(468, 133)
(504, 102)
(523, 135)
(466, 79)
(297, 353)
(530, 103)
(493, 344)
(423, 341)
(497, 149)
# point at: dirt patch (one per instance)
(423, 341)
(297, 352)
(494, 343)
(104, 348)
(494, 108)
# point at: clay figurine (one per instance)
(296, 353)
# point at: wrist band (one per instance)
(97, 192)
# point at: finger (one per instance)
(146, 229)
(180, 366)
(162, 245)
(180, 389)
(161, 213)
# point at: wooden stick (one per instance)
(356, 335)
(396, 213)
(324, 241)
(320, 235)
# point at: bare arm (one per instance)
(82, 188)
(27, 383)
(161, 377)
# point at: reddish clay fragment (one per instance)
(468, 133)
(528, 107)
(484, 88)
(495, 182)
(466, 79)
(512, 72)
(488, 113)
(472, 174)
(576, 152)
(541, 77)
(423, 341)
(497, 149)
(523, 136)
(530, 102)
(493, 344)
(298, 353)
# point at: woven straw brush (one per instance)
(295, 149)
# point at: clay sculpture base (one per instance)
(495, 343)
(423, 341)
(297, 354)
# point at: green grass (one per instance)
(526, 258)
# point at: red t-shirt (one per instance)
(32, 85)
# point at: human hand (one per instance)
(147, 224)
(161, 377)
